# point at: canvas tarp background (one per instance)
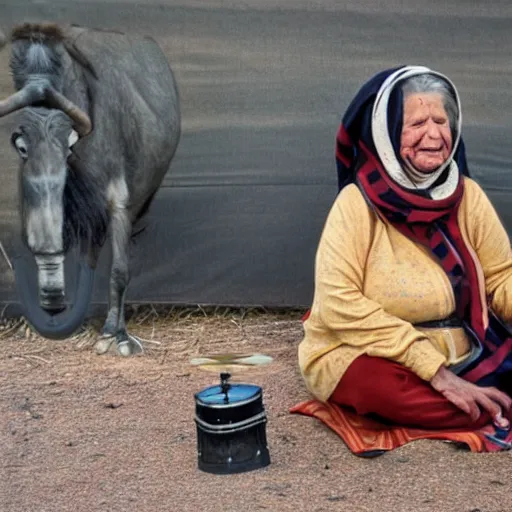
(263, 86)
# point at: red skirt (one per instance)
(393, 393)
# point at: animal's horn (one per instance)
(24, 97)
(31, 94)
(82, 122)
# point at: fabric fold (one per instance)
(366, 437)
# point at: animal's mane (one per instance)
(35, 52)
(38, 32)
(86, 216)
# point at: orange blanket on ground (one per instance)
(367, 437)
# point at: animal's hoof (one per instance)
(128, 345)
(103, 345)
(124, 348)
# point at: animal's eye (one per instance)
(20, 144)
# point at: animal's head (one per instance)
(43, 140)
(50, 124)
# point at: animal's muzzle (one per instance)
(51, 282)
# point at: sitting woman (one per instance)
(413, 274)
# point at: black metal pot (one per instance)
(231, 423)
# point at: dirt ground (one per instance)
(82, 432)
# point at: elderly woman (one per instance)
(413, 275)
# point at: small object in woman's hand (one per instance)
(501, 422)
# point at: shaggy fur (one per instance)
(86, 217)
(35, 54)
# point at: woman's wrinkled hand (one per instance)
(470, 398)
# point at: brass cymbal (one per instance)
(230, 361)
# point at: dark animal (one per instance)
(99, 126)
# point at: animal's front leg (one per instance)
(115, 326)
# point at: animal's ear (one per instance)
(73, 137)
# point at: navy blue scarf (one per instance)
(356, 127)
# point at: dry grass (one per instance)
(158, 327)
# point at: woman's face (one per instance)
(426, 140)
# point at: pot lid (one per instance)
(232, 394)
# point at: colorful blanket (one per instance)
(366, 437)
